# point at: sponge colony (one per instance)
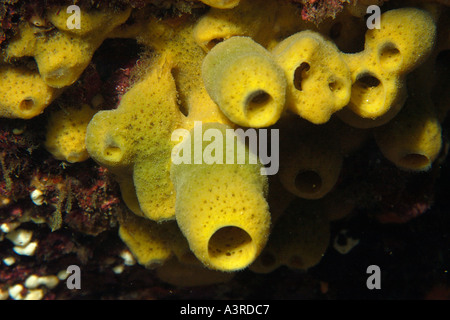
(63, 54)
(140, 158)
(403, 42)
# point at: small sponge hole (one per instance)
(257, 103)
(367, 81)
(390, 57)
(213, 42)
(368, 93)
(415, 161)
(113, 153)
(300, 75)
(26, 105)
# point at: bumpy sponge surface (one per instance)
(412, 140)
(63, 54)
(405, 40)
(248, 19)
(221, 208)
(318, 79)
(133, 141)
(66, 133)
(245, 82)
(23, 94)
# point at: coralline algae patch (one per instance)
(87, 141)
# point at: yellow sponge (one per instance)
(412, 140)
(63, 54)
(152, 243)
(133, 141)
(298, 240)
(221, 4)
(175, 43)
(245, 82)
(162, 246)
(146, 240)
(91, 21)
(404, 41)
(318, 79)
(66, 133)
(310, 159)
(23, 93)
(248, 19)
(311, 171)
(221, 207)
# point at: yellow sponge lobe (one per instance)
(413, 139)
(63, 54)
(66, 133)
(298, 240)
(149, 241)
(405, 39)
(245, 82)
(310, 160)
(318, 79)
(133, 141)
(221, 207)
(248, 19)
(23, 93)
(91, 21)
(221, 4)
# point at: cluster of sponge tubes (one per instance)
(367, 89)
(60, 55)
(306, 74)
(43, 59)
(238, 67)
(295, 85)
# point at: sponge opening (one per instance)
(231, 248)
(415, 161)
